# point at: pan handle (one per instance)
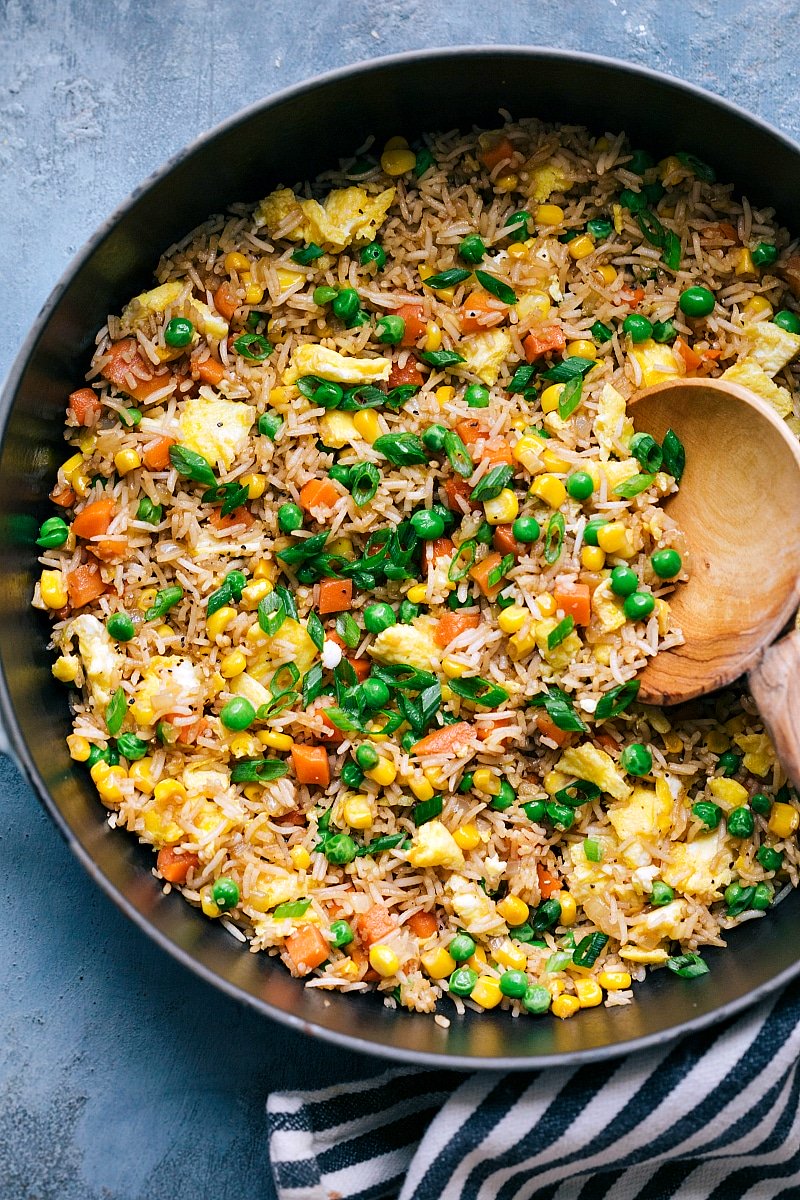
(775, 687)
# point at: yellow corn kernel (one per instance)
(396, 143)
(169, 789)
(518, 423)
(253, 293)
(509, 955)
(348, 969)
(434, 775)
(126, 460)
(398, 161)
(590, 994)
(417, 593)
(717, 741)
(433, 336)
(550, 397)
(580, 247)
(553, 461)
(614, 981)
(549, 214)
(757, 307)
(513, 910)
(728, 791)
(467, 836)
(546, 604)
(783, 820)
(452, 668)
(517, 250)
(53, 589)
(486, 992)
(486, 782)
(340, 545)
(478, 959)
(512, 619)
(535, 304)
(420, 786)
(107, 780)
(219, 621)
(506, 182)
(367, 424)
(236, 262)
(87, 442)
(445, 294)
(593, 558)
(275, 740)
(287, 277)
(438, 963)
(669, 166)
(383, 960)
(253, 594)
(582, 348)
(139, 774)
(207, 902)
(164, 631)
(72, 466)
(607, 273)
(384, 773)
(79, 747)
(81, 484)
(445, 393)
(300, 857)
(673, 743)
(638, 955)
(743, 263)
(253, 792)
(244, 745)
(65, 668)
(520, 644)
(263, 570)
(356, 811)
(611, 537)
(565, 1006)
(447, 693)
(232, 664)
(569, 909)
(256, 486)
(146, 599)
(550, 489)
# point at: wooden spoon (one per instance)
(739, 507)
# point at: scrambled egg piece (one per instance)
(770, 346)
(337, 429)
(435, 846)
(646, 812)
(290, 644)
(759, 753)
(270, 890)
(209, 322)
(750, 375)
(612, 427)
(701, 868)
(412, 644)
(208, 780)
(346, 215)
(616, 472)
(561, 655)
(657, 362)
(588, 762)
(160, 823)
(155, 301)
(101, 662)
(472, 906)
(485, 353)
(545, 180)
(661, 923)
(216, 428)
(169, 682)
(339, 368)
(607, 608)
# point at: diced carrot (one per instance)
(504, 541)
(125, 364)
(549, 884)
(335, 595)
(441, 547)
(209, 371)
(486, 728)
(156, 456)
(84, 585)
(450, 739)
(239, 516)
(576, 602)
(481, 572)
(633, 297)
(311, 764)
(423, 924)
(606, 741)
(459, 495)
(376, 923)
(498, 150)
(712, 354)
(85, 405)
(361, 666)
(452, 624)
(307, 948)
(470, 430)
(722, 229)
(543, 342)
(480, 311)
(332, 636)
(174, 865)
(330, 733)
(94, 519)
(319, 493)
(110, 548)
(294, 818)
(416, 322)
(691, 358)
(408, 373)
(226, 301)
(549, 730)
(497, 453)
(64, 497)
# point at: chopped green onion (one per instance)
(616, 700)
(593, 850)
(500, 571)
(521, 379)
(562, 630)
(363, 484)
(554, 538)
(696, 165)
(479, 691)
(401, 449)
(462, 561)
(492, 483)
(348, 630)
(495, 287)
(115, 712)
(674, 455)
(305, 255)
(589, 949)
(315, 630)
(558, 706)
(633, 485)
(569, 368)
(271, 613)
(260, 770)
(441, 358)
(458, 455)
(428, 809)
(292, 908)
(253, 346)
(570, 397)
(186, 462)
(580, 791)
(447, 279)
(688, 966)
(165, 599)
(647, 451)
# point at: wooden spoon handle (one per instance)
(775, 686)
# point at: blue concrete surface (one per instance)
(122, 1077)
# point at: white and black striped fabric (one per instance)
(715, 1116)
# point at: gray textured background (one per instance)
(122, 1077)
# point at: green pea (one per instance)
(238, 713)
(96, 755)
(661, 893)
(179, 333)
(269, 423)
(374, 693)
(523, 933)
(537, 1000)
(373, 255)
(472, 248)
(351, 775)
(341, 474)
(666, 563)
(600, 228)
(664, 331)
(636, 759)
(526, 529)
(467, 781)
(634, 201)
(53, 532)
(601, 333)
(149, 512)
(323, 295)
(407, 612)
(367, 757)
(342, 934)
(640, 162)
(514, 984)
(787, 320)
(638, 328)
(477, 396)
(592, 528)
(484, 534)
(560, 814)
(741, 823)
(738, 898)
(696, 302)
(120, 627)
(504, 798)
(729, 762)
(707, 812)
(131, 417)
(462, 981)
(763, 897)
(623, 581)
(764, 254)
(580, 485)
(378, 617)
(347, 304)
(434, 437)
(427, 524)
(461, 948)
(290, 518)
(131, 747)
(638, 606)
(340, 849)
(328, 394)
(760, 803)
(771, 860)
(389, 329)
(535, 811)
(653, 192)
(225, 893)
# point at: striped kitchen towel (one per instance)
(712, 1117)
